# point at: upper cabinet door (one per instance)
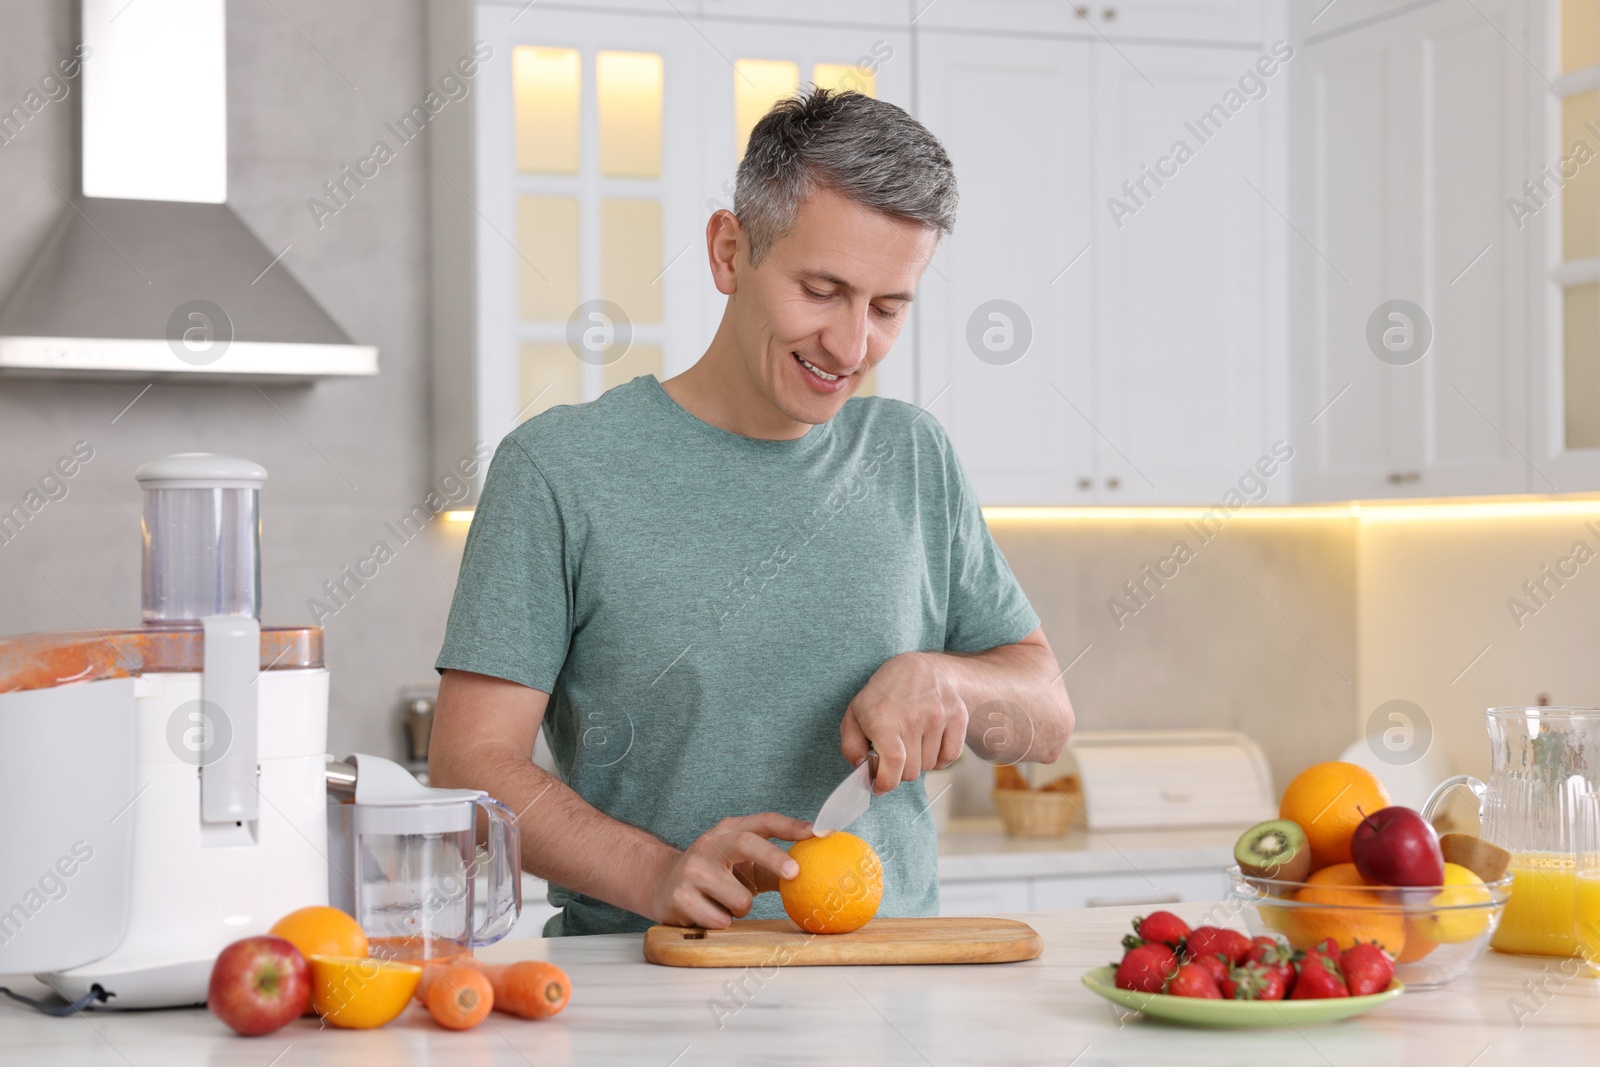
(1187, 252)
(583, 199)
(1410, 316)
(745, 67)
(1564, 244)
(1472, 145)
(1004, 307)
(1230, 21)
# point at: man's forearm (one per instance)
(565, 839)
(1017, 705)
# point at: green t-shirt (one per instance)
(702, 607)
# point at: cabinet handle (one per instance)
(1085, 484)
(1113, 482)
(1404, 477)
(1109, 14)
(1081, 11)
(1128, 902)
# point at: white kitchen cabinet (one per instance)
(990, 896)
(1003, 309)
(1186, 269)
(1114, 890)
(1409, 133)
(1212, 21)
(1152, 313)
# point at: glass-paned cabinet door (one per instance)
(1575, 241)
(588, 149)
(748, 66)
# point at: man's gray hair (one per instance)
(869, 151)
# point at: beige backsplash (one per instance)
(1256, 632)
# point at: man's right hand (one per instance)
(715, 879)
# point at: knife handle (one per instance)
(872, 764)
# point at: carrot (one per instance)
(531, 989)
(431, 969)
(460, 998)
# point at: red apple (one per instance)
(1396, 846)
(259, 984)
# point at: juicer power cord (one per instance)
(61, 1011)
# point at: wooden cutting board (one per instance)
(778, 942)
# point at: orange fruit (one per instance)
(1329, 800)
(1353, 915)
(321, 931)
(1416, 946)
(839, 886)
(360, 992)
(1338, 874)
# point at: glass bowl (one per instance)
(1435, 933)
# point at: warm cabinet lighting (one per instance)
(757, 85)
(545, 82)
(1364, 511)
(628, 85)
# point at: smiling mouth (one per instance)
(822, 374)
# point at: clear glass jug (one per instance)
(1545, 765)
(404, 861)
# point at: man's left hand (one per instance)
(912, 713)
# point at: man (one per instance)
(717, 591)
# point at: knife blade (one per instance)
(849, 800)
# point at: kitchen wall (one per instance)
(1255, 633)
(1446, 622)
(310, 86)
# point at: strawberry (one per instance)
(1193, 980)
(1213, 966)
(1319, 979)
(1367, 968)
(1276, 957)
(1162, 926)
(1327, 947)
(1203, 941)
(1255, 981)
(1146, 968)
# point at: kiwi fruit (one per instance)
(1487, 861)
(1276, 849)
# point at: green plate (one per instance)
(1240, 1014)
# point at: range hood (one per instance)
(148, 272)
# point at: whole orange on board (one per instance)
(1329, 800)
(839, 887)
(321, 931)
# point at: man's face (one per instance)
(823, 308)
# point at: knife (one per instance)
(849, 800)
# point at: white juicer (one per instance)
(195, 813)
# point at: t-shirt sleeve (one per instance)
(987, 607)
(512, 613)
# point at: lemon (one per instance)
(1462, 887)
(361, 992)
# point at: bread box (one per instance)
(1147, 779)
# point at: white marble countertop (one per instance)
(978, 848)
(626, 1011)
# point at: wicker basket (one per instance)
(1035, 812)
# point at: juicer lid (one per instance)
(200, 470)
(384, 783)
